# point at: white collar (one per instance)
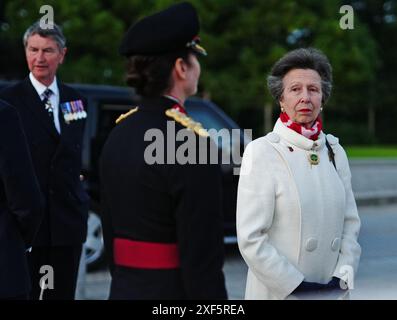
(297, 139)
(40, 88)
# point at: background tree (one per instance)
(244, 39)
(380, 16)
(92, 33)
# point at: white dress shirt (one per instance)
(54, 98)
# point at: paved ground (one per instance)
(376, 279)
(377, 276)
(374, 179)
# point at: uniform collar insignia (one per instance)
(187, 122)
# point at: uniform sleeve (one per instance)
(350, 250)
(22, 193)
(198, 215)
(255, 212)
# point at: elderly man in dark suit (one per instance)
(53, 117)
(21, 206)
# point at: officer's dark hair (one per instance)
(54, 32)
(303, 58)
(150, 75)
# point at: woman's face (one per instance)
(193, 75)
(302, 95)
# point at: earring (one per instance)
(282, 109)
(321, 109)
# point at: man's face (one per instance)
(43, 57)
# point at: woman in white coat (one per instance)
(297, 220)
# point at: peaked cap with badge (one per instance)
(172, 29)
(162, 222)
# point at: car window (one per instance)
(206, 116)
(108, 115)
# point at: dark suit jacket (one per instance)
(21, 204)
(162, 203)
(57, 162)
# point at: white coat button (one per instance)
(273, 137)
(311, 244)
(335, 244)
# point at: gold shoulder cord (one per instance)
(126, 115)
(187, 122)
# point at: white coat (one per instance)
(295, 220)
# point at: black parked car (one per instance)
(105, 104)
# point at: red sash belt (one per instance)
(145, 255)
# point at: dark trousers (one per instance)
(60, 261)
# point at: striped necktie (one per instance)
(47, 102)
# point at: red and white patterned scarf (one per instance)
(311, 133)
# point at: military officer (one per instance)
(162, 218)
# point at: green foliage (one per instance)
(371, 151)
(244, 38)
(92, 34)
(248, 37)
(349, 132)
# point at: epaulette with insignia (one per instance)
(125, 115)
(187, 122)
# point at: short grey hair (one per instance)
(303, 58)
(55, 33)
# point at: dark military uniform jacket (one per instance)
(161, 204)
(21, 205)
(57, 163)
